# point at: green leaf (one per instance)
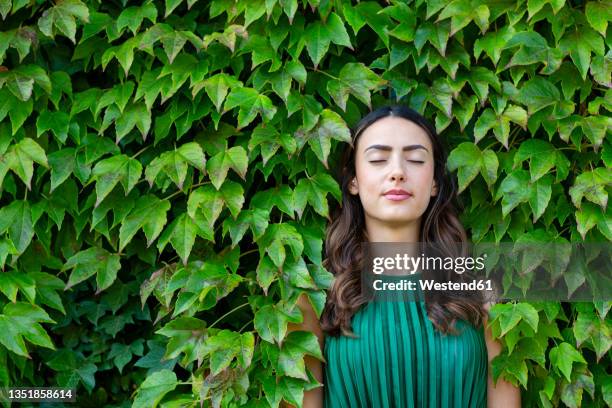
(21, 157)
(17, 219)
(538, 93)
(21, 321)
(216, 88)
(592, 186)
(294, 348)
(132, 17)
(181, 234)
(93, 261)
(355, 79)
(251, 103)
(590, 215)
(149, 213)
(510, 314)
(579, 42)
(595, 128)
(271, 323)
(12, 281)
(135, 115)
(174, 164)
(541, 155)
(57, 122)
(62, 17)
(470, 161)
(514, 191)
(107, 173)
(330, 126)
(540, 193)
(598, 15)
(218, 165)
(314, 191)
(274, 240)
(154, 388)
(62, 163)
(562, 358)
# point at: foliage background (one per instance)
(165, 181)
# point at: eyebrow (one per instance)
(389, 148)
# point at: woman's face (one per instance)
(394, 153)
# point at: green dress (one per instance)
(400, 360)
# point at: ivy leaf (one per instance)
(216, 88)
(598, 15)
(149, 213)
(251, 103)
(329, 126)
(562, 358)
(135, 115)
(590, 215)
(57, 122)
(269, 140)
(274, 240)
(314, 191)
(182, 234)
(540, 193)
(21, 157)
(538, 93)
(271, 323)
(218, 165)
(292, 352)
(589, 327)
(62, 17)
(595, 128)
(93, 261)
(21, 321)
(470, 160)
(132, 17)
(13, 281)
(210, 201)
(510, 314)
(154, 388)
(592, 186)
(107, 173)
(17, 219)
(579, 42)
(513, 190)
(319, 35)
(297, 274)
(462, 12)
(356, 79)
(174, 164)
(541, 154)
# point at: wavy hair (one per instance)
(440, 226)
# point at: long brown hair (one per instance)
(346, 235)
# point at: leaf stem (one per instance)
(140, 151)
(228, 313)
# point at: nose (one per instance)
(397, 171)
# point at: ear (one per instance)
(434, 189)
(353, 187)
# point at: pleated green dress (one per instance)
(400, 360)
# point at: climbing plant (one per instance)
(167, 172)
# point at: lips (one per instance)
(397, 194)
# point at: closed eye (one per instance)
(416, 161)
(411, 161)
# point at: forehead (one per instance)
(395, 132)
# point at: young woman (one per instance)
(431, 353)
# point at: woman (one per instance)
(432, 353)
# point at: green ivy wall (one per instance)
(166, 176)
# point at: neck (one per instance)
(377, 231)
